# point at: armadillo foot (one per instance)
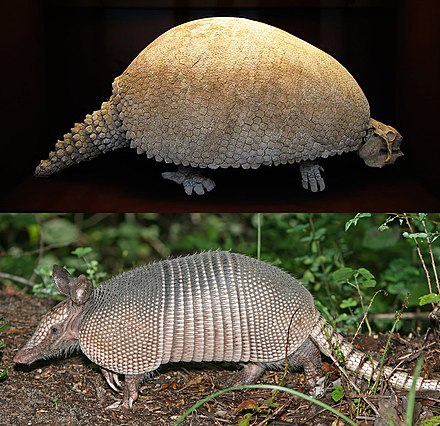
(249, 374)
(307, 356)
(191, 179)
(319, 388)
(131, 390)
(311, 176)
(112, 379)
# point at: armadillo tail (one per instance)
(100, 132)
(330, 342)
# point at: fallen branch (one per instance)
(17, 279)
(403, 316)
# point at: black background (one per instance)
(60, 58)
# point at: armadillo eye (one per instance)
(55, 330)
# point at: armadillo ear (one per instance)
(62, 280)
(81, 290)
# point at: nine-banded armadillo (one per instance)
(231, 92)
(214, 306)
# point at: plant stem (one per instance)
(412, 393)
(273, 387)
(17, 279)
(367, 323)
(419, 252)
(434, 267)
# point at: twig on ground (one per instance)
(17, 279)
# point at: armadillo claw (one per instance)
(127, 403)
(319, 388)
(191, 179)
(131, 390)
(114, 406)
(112, 379)
(311, 176)
(116, 380)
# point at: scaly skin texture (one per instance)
(239, 93)
(229, 92)
(215, 306)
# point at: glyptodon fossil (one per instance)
(231, 92)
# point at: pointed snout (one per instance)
(24, 357)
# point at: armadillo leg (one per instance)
(100, 132)
(111, 378)
(308, 357)
(249, 374)
(191, 179)
(311, 176)
(131, 389)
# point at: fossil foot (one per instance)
(311, 176)
(191, 179)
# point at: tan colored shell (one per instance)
(235, 92)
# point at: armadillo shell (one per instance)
(215, 306)
(231, 92)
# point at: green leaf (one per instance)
(365, 273)
(245, 420)
(337, 393)
(3, 374)
(368, 284)
(342, 275)
(368, 279)
(432, 421)
(60, 232)
(415, 235)
(308, 277)
(429, 298)
(81, 251)
(348, 303)
(354, 221)
(269, 402)
(385, 226)
(33, 232)
(319, 233)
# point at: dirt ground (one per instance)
(73, 392)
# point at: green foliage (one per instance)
(404, 277)
(433, 421)
(429, 298)
(337, 393)
(308, 398)
(59, 232)
(344, 260)
(354, 221)
(412, 393)
(245, 420)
